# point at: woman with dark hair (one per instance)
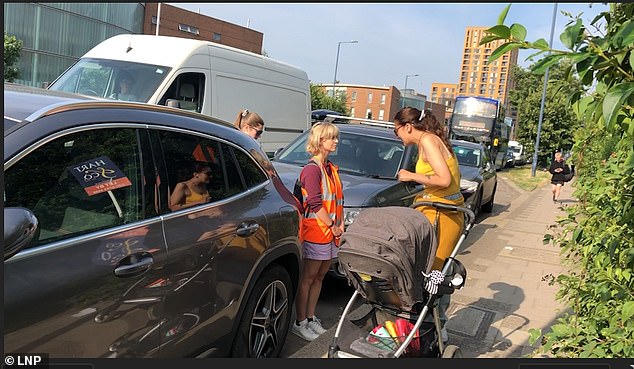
(194, 190)
(437, 169)
(249, 123)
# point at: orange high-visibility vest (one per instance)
(313, 229)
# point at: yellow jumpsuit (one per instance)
(450, 224)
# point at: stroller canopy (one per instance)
(400, 236)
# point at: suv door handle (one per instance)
(245, 229)
(133, 265)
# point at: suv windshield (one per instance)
(370, 156)
(113, 79)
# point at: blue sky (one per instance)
(394, 39)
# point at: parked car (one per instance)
(369, 158)
(509, 158)
(97, 265)
(478, 181)
(320, 115)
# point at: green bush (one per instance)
(597, 240)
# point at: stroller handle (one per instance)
(442, 206)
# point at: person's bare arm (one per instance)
(436, 157)
(177, 199)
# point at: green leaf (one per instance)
(614, 99)
(518, 32)
(541, 44)
(503, 49)
(501, 31)
(628, 311)
(502, 15)
(632, 60)
(625, 35)
(571, 34)
(544, 63)
(534, 335)
(488, 38)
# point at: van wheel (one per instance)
(451, 351)
(488, 207)
(267, 316)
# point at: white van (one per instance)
(518, 152)
(203, 76)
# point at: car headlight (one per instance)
(468, 186)
(349, 215)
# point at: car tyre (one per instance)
(488, 207)
(266, 319)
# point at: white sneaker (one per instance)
(316, 326)
(302, 330)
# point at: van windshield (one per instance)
(114, 79)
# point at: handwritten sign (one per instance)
(99, 175)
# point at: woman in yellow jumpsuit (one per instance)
(437, 169)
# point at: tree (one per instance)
(597, 239)
(559, 122)
(12, 48)
(320, 100)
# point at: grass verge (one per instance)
(522, 178)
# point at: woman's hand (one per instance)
(337, 230)
(404, 175)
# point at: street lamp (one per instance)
(334, 81)
(406, 77)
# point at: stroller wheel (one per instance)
(451, 351)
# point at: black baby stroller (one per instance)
(387, 255)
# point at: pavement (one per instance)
(508, 271)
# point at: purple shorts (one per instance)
(320, 251)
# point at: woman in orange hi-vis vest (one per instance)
(322, 225)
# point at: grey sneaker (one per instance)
(316, 326)
(302, 330)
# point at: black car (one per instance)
(369, 158)
(478, 181)
(320, 115)
(97, 265)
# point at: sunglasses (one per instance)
(396, 130)
(258, 132)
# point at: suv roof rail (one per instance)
(369, 122)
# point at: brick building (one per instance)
(184, 23)
(373, 102)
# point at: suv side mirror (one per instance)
(20, 225)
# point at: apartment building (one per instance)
(478, 77)
(179, 22)
(372, 102)
(56, 35)
(444, 94)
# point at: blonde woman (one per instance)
(322, 225)
(249, 123)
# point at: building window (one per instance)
(381, 112)
(370, 98)
(354, 97)
(154, 20)
(382, 100)
(352, 112)
(188, 29)
(368, 113)
(216, 37)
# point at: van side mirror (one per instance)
(20, 225)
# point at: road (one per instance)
(336, 293)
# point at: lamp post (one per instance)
(541, 108)
(406, 77)
(334, 81)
